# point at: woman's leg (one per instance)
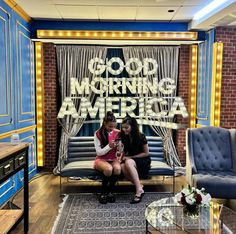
(131, 168)
(112, 181)
(116, 168)
(126, 172)
(106, 169)
(114, 177)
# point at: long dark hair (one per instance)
(102, 131)
(135, 134)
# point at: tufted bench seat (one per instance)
(211, 160)
(81, 155)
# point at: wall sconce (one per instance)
(216, 83)
(193, 86)
(39, 101)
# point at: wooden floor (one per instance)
(44, 197)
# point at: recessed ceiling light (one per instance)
(170, 11)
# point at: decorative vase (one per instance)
(191, 211)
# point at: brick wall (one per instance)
(182, 91)
(227, 35)
(50, 106)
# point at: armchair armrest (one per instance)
(233, 147)
(190, 164)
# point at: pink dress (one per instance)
(110, 155)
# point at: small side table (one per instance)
(14, 158)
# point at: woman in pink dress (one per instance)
(105, 141)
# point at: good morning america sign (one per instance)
(135, 96)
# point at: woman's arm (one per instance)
(99, 150)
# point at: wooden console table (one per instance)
(14, 158)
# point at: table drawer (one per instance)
(7, 167)
(20, 159)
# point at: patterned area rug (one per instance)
(82, 213)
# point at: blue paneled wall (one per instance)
(17, 91)
(6, 108)
(205, 79)
(17, 81)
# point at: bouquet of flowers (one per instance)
(192, 198)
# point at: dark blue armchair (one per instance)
(211, 160)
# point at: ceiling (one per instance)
(131, 10)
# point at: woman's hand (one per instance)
(119, 156)
(125, 158)
(112, 144)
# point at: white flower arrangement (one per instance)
(193, 197)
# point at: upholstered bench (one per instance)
(81, 154)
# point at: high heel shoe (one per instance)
(137, 198)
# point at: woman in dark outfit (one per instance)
(135, 161)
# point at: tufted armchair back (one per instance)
(211, 160)
(210, 149)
